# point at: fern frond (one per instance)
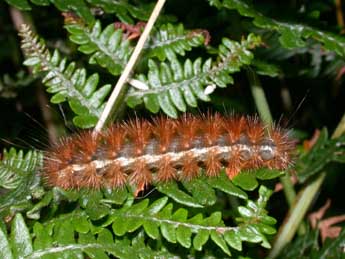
(124, 10)
(19, 173)
(108, 48)
(73, 236)
(172, 86)
(200, 192)
(169, 38)
(292, 35)
(66, 82)
(160, 219)
(14, 166)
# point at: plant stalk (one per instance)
(129, 67)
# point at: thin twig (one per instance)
(129, 67)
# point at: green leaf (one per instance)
(223, 184)
(5, 249)
(167, 229)
(177, 99)
(58, 98)
(246, 180)
(64, 232)
(94, 208)
(117, 196)
(157, 205)
(81, 224)
(245, 212)
(119, 226)
(31, 61)
(20, 4)
(266, 69)
(78, 6)
(34, 213)
(124, 10)
(20, 237)
(218, 239)
(247, 234)
(87, 121)
(214, 219)
(43, 237)
(183, 236)
(166, 105)
(267, 174)
(200, 239)
(171, 189)
(93, 252)
(233, 239)
(41, 2)
(151, 229)
(203, 194)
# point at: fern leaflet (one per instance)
(169, 39)
(108, 48)
(14, 166)
(172, 86)
(66, 82)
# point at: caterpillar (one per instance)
(141, 152)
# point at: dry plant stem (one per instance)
(339, 14)
(298, 210)
(296, 215)
(129, 67)
(18, 19)
(265, 114)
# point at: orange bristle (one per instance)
(187, 126)
(234, 126)
(255, 130)
(87, 143)
(90, 178)
(139, 132)
(63, 152)
(190, 168)
(114, 177)
(212, 164)
(66, 179)
(233, 169)
(164, 131)
(213, 128)
(166, 171)
(235, 164)
(141, 175)
(114, 138)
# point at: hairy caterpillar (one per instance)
(141, 152)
